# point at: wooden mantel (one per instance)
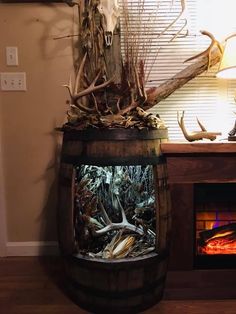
(187, 164)
(198, 147)
(200, 161)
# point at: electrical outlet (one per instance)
(13, 81)
(12, 56)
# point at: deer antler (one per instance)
(207, 52)
(125, 225)
(197, 135)
(92, 88)
(183, 6)
(75, 95)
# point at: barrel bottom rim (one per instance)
(88, 259)
(74, 295)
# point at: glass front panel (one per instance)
(215, 208)
(115, 214)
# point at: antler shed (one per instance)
(195, 135)
(208, 51)
(76, 93)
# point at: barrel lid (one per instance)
(115, 134)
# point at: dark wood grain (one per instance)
(30, 285)
(65, 215)
(201, 284)
(126, 285)
(190, 163)
(200, 162)
(193, 169)
(129, 147)
(197, 148)
(194, 307)
(118, 286)
(182, 239)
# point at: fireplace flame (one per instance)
(219, 246)
(219, 242)
(219, 235)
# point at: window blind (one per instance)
(206, 97)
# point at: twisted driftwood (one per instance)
(155, 95)
(103, 91)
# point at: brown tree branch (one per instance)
(155, 95)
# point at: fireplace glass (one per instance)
(215, 225)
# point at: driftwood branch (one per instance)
(101, 68)
(155, 95)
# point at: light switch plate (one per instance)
(13, 81)
(12, 56)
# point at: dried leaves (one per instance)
(96, 98)
(138, 118)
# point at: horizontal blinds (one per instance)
(164, 58)
(205, 97)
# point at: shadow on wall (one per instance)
(48, 215)
(49, 256)
(58, 30)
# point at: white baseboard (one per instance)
(38, 248)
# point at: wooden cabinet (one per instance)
(188, 164)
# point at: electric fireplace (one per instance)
(202, 179)
(215, 225)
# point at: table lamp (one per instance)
(227, 70)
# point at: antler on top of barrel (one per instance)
(76, 93)
(104, 97)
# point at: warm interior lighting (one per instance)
(228, 63)
(219, 245)
(217, 17)
(219, 235)
(221, 240)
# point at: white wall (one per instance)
(29, 146)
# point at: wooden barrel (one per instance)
(119, 285)
(112, 147)
(127, 285)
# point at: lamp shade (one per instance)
(227, 68)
